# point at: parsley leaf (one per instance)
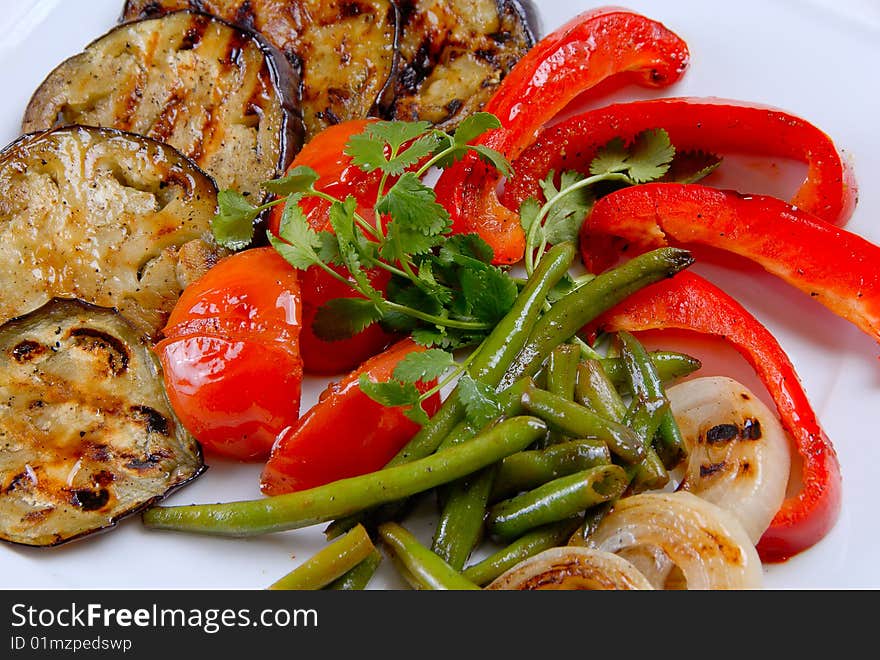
(529, 211)
(564, 219)
(394, 393)
(233, 226)
(473, 126)
(691, 166)
(494, 158)
(647, 158)
(298, 242)
(423, 366)
(342, 318)
(418, 220)
(469, 246)
(414, 205)
(378, 146)
(479, 400)
(350, 242)
(300, 179)
(489, 292)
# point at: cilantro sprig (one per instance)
(649, 157)
(416, 367)
(444, 289)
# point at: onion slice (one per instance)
(707, 545)
(739, 456)
(571, 568)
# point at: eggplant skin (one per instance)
(454, 54)
(112, 218)
(344, 49)
(219, 94)
(86, 433)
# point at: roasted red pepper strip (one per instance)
(346, 433)
(837, 268)
(709, 125)
(689, 302)
(590, 48)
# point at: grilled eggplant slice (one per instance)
(454, 54)
(344, 49)
(219, 94)
(112, 218)
(86, 433)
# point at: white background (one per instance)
(815, 58)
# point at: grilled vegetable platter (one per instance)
(437, 295)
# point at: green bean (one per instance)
(509, 405)
(357, 578)
(488, 366)
(595, 390)
(575, 309)
(461, 522)
(423, 568)
(562, 370)
(496, 351)
(329, 563)
(579, 422)
(592, 518)
(645, 418)
(527, 545)
(646, 384)
(556, 500)
(529, 469)
(669, 366)
(347, 496)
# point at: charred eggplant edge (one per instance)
(199, 452)
(282, 74)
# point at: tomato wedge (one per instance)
(230, 356)
(339, 178)
(346, 433)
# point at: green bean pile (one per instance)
(575, 432)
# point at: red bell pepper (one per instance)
(587, 50)
(689, 302)
(346, 433)
(837, 268)
(709, 125)
(340, 178)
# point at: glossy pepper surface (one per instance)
(594, 46)
(835, 267)
(689, 302)
(708, 125)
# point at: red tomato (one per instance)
(346, 433)
(230, 356)
(324, 154)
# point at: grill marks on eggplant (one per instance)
(343, 49)
(86, 434)
(219, 94)
(454, 54)
(108, 217)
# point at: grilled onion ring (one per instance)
(705, 543)
(571, 568)
(739, 456)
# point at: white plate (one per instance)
(815, 58)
